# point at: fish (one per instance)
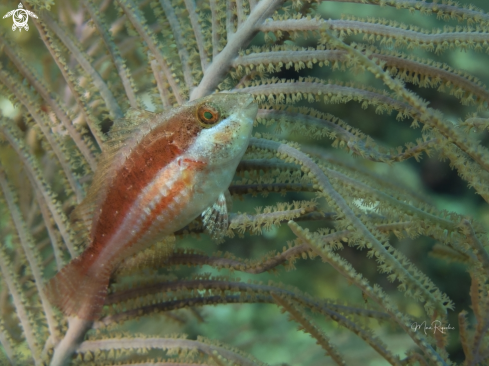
(158, 172)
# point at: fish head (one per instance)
(226, 121)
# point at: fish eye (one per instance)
(208, 115)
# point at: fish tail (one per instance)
(78, 290)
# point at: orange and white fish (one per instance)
(159, 172)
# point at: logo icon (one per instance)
(20, 17)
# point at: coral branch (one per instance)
(65, 349)
(120, 65)
(139, 23)
(308, 327)
(112, 105)
(374, 293)
(168, 344)
(32, 255)
(216, 72)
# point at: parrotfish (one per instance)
(157, 174)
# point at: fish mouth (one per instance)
(249, 107)
(246, 102)
(247, 99)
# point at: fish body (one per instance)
(158, 175)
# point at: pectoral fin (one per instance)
(215, 218)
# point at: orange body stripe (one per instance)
(140, 169)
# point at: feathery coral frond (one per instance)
(73, 90)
